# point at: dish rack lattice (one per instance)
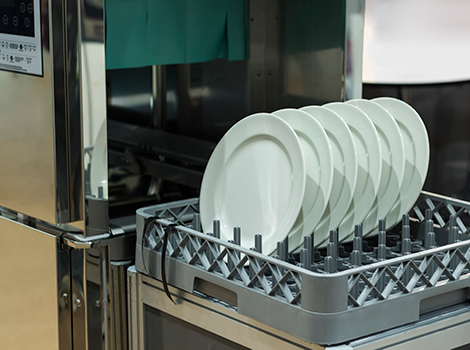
(415, 268)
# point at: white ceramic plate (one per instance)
(415, 138)
(393, 162)
(369, 165)
(99, 164)
(255, 179)
(319, 169)
(344, 173)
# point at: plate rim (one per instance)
(352, 173)
(420, 164)
(238, 134)
(374, 145)
(326, 165)
(396, 158)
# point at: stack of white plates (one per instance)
(295, 172)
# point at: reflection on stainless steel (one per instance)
(130, 95)
(65, 293)
(354, 48)
(91, 326)
(171, 157)
(158, 95)
(297, 57)
(28, 280)
(445, 112)
(78, 285)
(86, 89)
(105, 300)
(119, 304)
(27, 174)
(92, 78)
(43, 173)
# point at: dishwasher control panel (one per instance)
(20, 36)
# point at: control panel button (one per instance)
(23, 7)
(27, 22)
(30, 8)
(15, 21)
(5, 19)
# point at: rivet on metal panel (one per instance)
(65, 299)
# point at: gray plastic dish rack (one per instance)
(324, 297)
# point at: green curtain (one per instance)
(153, 32)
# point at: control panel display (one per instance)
(7, 3)
(20, 36)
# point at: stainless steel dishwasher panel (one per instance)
(53, 106)
(27, 174)
(28, 288)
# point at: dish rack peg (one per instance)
(334, 245)
(330, 261)
(281, 250)
(406, 241)
(428, 214)
(406, 250)
(251, 270)
(308, 246)
(216, 228)
(237, 235)
(454, 238)
(237, 232)
(430, 238)
(405, 221)
(453, 235)
(452, 223)
(231, 265)
(196, 224)
(356, 254)
(306, 259)
(382, 225)
(382, 248)
(259, 243)
(430, 243)
(286, 247)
